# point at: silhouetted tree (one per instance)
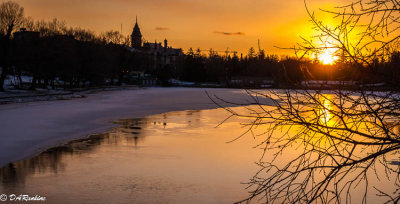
(11, 16)
(113, 37)
(367, 31)
(331, 147)
(252, 53)
(323, 148)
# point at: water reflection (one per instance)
(181, 157)
(324, 108)
(327, 148)
(174, 157)
(127, 134)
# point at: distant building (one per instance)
(136, 37)
(159, 56)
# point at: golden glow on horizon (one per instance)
(191, 23)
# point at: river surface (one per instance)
(176, 157)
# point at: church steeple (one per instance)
(136, 37)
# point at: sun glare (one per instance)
(328, 56)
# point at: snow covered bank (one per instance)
(27, 128)
(23, 96)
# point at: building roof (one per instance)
(158, 48)
(136, 30)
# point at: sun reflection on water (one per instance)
(325, 110)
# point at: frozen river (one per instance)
(164, 145)
(28, 128)
(177, 157)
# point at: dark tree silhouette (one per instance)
(11, 16)
(367, 30)
(323, 147)
(340, 146)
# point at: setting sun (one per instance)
(328, 56)
(203, 101)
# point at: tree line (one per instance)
(49, 51)
(285, 70)
(53, 53)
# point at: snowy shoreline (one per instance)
(32, 127)
(24, 96)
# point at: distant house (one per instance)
(159, 56)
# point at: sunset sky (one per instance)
(201, 24)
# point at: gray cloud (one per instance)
(162, 28)
(228, 33)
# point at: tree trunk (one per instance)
(21, 85)
(46, 83)
(33, 84)
(2, 78)
(4, 71)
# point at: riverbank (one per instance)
(29, 128)
(24, 96)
